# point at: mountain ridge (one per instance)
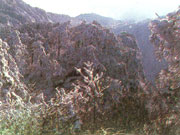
(16, 12)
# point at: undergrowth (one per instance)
(82, 111)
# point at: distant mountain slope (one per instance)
(104, 21)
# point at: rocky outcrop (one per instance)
(10, 77)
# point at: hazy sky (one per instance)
(117, 9)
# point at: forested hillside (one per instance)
(62, 75)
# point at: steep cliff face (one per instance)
(142, 33)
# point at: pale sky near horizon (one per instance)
(118, 9)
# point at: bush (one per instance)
(93, 104)
(18, 118)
